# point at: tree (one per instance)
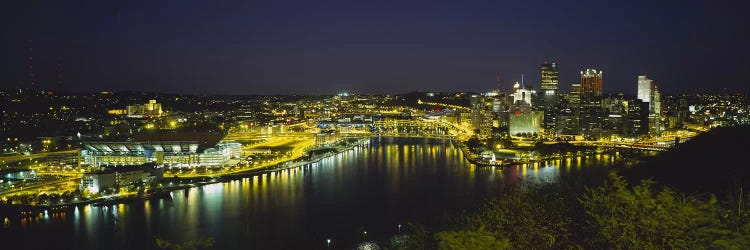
(536, 218)
(418, 238)
(470, 240)
(473, 143)
(194, 244)
(640, 218)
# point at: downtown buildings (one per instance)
(648, 92)
(585, 111)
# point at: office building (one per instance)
(644, 88)
(550, 74)
(591, 83)
(574, 98)
(648, 92)
(123, 176)
(636, 122)
(522, 94)
(525, 124)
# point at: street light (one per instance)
(328, 243)
(399, 228)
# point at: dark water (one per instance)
(373, 189)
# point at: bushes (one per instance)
(611, 216)
(640, 218)
(470, 240)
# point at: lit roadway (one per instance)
(298, 145)
(36, 188)
(15, 158)
(443, 105)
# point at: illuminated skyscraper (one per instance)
(522, 94)
(648, 92)
(591, 82)
(575, 94)
(644, 88)
(549, 78)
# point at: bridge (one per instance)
(443, 105)
(640, 146)
(411, 128)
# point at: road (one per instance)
(297, 149)
(36, 188)
(8, 159)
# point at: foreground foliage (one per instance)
(194, 244)
(611, 216)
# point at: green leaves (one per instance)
(470, 240)
(611, 216)
(194, 244)
(641, 218)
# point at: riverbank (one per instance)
(577, 151)
(369, 189)
(169, 184)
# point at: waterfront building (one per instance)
(122, 176)
(525, 123)
(326, 137)
(169, 153)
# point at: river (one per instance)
(375, 188)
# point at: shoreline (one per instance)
(182, 183)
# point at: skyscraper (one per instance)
(549, 78)
(591, 82)
(547, 101)
(477, 110)
(648, 92)
(575, 94)
(522, 94)
(644, 88)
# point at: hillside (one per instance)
(716, 161)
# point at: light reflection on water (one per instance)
(391, 182)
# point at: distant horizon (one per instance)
(302, 47)
(55, 91)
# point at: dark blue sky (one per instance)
(279, 47)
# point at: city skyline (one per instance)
(326, 48)
(374, 125)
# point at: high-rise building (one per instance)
(649, 93)
(477, 107)
(636, 123)
(654, 110)
(591, 82)
(644, 88)
(485, 130)
(522, 94)
(525, 123)
(575, 95)
(549, 78)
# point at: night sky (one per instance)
(324, 47)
